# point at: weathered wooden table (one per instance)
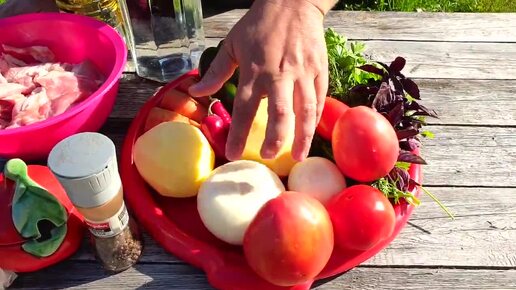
(466, 67)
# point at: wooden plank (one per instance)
(457, 156)
(449, 59)
(89, 275)
(170, 276)
(458, 102)
(422, 279)
(486, 241)
(470, 156)
(485, 27)
(456, 60)
(470, 102)
(481, 235)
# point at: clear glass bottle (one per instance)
(86, 166)
(167, 37)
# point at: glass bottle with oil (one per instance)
(109, 11)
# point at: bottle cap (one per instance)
(86, 166)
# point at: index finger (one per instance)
(245, 105)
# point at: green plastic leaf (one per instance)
(37, 215)
(46, 247)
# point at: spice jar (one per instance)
(86, 166)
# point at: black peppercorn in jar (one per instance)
(86, 166)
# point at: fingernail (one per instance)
(193, 88)
(231, 154)
(268, 154)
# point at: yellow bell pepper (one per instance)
(283, 162)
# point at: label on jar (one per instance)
(110, 227)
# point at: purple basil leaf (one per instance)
(411, 121)
(412, 182)
(406, 133)
(398, 64)
(396, 85)
(407, 156)
(421, 110)
(391, 105)
(401, 177)
(430, 113)
(364, 90)
(386, 67)
(411, 88)
(372, 69)
(414, 143)
(396, 113)
(383, 97)
(406, 145)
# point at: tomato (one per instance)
(365, 145)
(362, 217)
(12, 255)
(290, 240)
(333, 110)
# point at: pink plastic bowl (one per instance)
(72, 38)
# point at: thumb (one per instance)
(220, 70)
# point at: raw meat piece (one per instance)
(39, 53)
(65, 88)
(58, 83)
(3, 124)
(6, 110)
(34, 108)
(15, 73)
(60, 67)
(9, 89)
(36, 91)
(7, 105)
(25, 75)
(12, 61)
(4, 66)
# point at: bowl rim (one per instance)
(116, 72)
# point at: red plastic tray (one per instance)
(175, 223)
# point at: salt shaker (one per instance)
(167, 37)
(86, 166)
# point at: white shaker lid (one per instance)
(86, 166)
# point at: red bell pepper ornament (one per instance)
(39, 225)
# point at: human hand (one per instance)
(280, 50)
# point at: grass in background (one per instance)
(430, 5)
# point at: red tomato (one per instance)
(362, 217)
(290, 240)
(365, 145)
(333, 110)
